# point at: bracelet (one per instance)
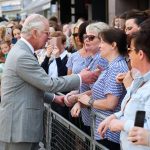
(90, 102)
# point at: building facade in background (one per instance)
(99, 10)
(36, 6)
(70, 10)
(10, 8)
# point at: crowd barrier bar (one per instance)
(60, 134)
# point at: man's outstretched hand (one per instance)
(88, 76)
(59, 100)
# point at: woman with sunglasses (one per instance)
(107, 94)
(75, 37)
(76, 62)
(91, 46)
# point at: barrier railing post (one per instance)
(92, 129)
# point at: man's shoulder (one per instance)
(20, 48)
(21, 44)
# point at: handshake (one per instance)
(87, 77)
(69, 99)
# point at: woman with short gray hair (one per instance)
(91, 44)
(97, 27)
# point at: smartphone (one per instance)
(59, 42)
(139, 118)
(56, 41)
(8, 31)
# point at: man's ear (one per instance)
(34, 33)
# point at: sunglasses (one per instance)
(89, 37)
(75, 34)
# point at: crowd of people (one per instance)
(99, 68)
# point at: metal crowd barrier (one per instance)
(60, 134)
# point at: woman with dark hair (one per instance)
(106, 94)
(133, 20)
(136, 99)
(91, 45)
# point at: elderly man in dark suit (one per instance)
(23, 85)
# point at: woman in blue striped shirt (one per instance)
(91, 45)
(106, 95)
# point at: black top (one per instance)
(61, 65)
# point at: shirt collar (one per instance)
(116, 60)
(146, 77)
(63, 54)
(30, 46)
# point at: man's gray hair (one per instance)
(97, 27)
(34, 21)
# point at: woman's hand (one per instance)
(56, 52)
(75, 111)
(120, 77)
(125, 78)
(84, 99)
(139, 136)
(49, 50)
(116, 125)
(104, 125)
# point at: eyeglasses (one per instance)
(89, 37)
(46, 32)
(75, 34)
(131, 49)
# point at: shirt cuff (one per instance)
(53, 98)
(129, 124)
(80, 79)
(118, 114)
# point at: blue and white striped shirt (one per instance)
(77, 63)
(106, 84)
(96, 61)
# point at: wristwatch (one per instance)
(91, 101)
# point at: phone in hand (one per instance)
(139, 118)
(8, 31)
(56, 41)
